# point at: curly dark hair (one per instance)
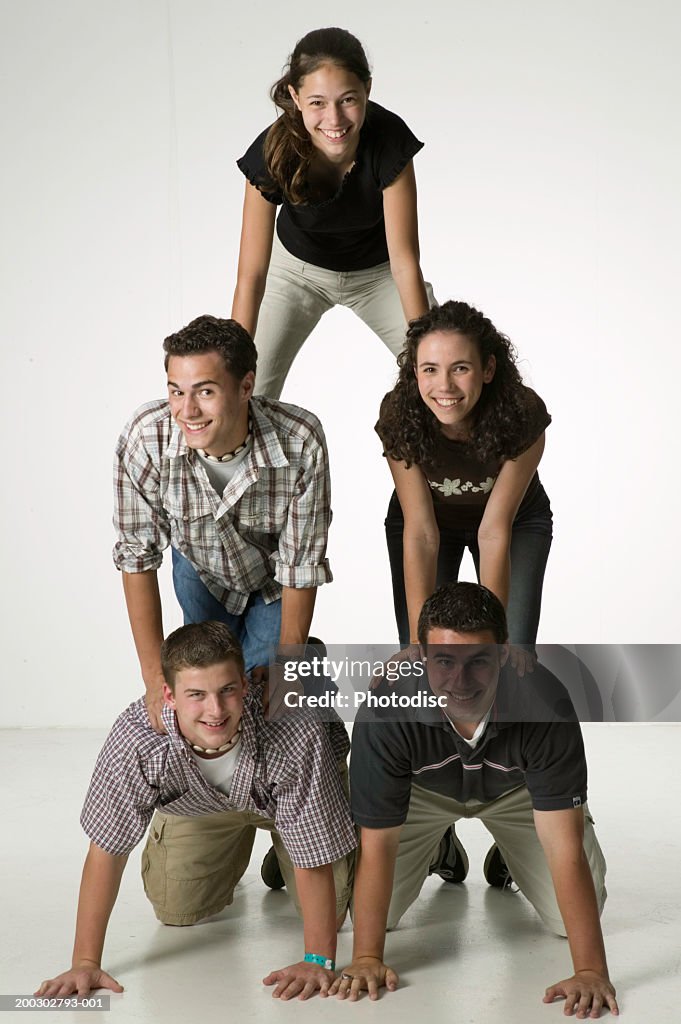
(211, 334)
(288, 146)
(463, 608)
(409, 430)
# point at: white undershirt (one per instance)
(219, 771)
(477, 735)
(220, 473)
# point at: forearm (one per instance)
(99, 886)
(374, 873)
(143, 602)
(297, 607)
(248, 296)
(495, 563)
(420, 572)
(578, 906)
(410, 285)
(317, 895)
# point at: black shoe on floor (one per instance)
(270, 872)
(451, 863)
(495, 870)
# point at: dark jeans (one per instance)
(530, 545)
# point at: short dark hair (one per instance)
(199, 645)
(210, 334)
(463, 608)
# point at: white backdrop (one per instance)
(548, 196)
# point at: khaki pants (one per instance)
(297, 294)
(191, 865)
(511, 823)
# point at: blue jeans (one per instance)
(257, 628)
(530, 545)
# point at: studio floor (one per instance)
(465, 953)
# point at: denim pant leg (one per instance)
(195, 599)
(257, 628)
(449, 558)
(261, 626)
(529, 555)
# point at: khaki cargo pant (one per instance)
(510, 821)
(191, 865)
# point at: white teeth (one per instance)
(447, 403)
(195, 426)
(334, 135)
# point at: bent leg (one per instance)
(448, 563)
(430, 815)
(529, 555)
(195, 599)
(191, 865)
(261, 630)
(291, 308)
(372, 294)
(511, 822)
(343, 868)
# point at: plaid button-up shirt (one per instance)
(286, 771)
(267, 530)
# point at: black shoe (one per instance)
(495, 870)
(270, 872)
(451, 863)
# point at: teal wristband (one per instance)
(321, 961)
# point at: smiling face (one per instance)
(450, 379)
(333, 104)
(464, 668)
(208, 702)
(208, 403)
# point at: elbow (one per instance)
(406, 267)
(422, 541)
(495, 535)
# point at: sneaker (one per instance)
(451, 863)
(270, 872)
(495, 870)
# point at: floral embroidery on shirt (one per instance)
(449, 487)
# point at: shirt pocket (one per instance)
(192, 526)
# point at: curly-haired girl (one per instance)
(464, 436)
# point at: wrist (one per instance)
(84, 961)
(321, 961)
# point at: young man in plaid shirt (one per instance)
(238, 487)
(219, 771)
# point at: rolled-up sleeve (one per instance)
(301, 557)
(139, 517)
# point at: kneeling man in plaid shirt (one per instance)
(219, 771)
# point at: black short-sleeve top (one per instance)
(461, 483)
(347, 231)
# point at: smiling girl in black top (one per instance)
(341, 168)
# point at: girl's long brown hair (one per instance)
(288, 147)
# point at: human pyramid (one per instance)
(237, 484)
